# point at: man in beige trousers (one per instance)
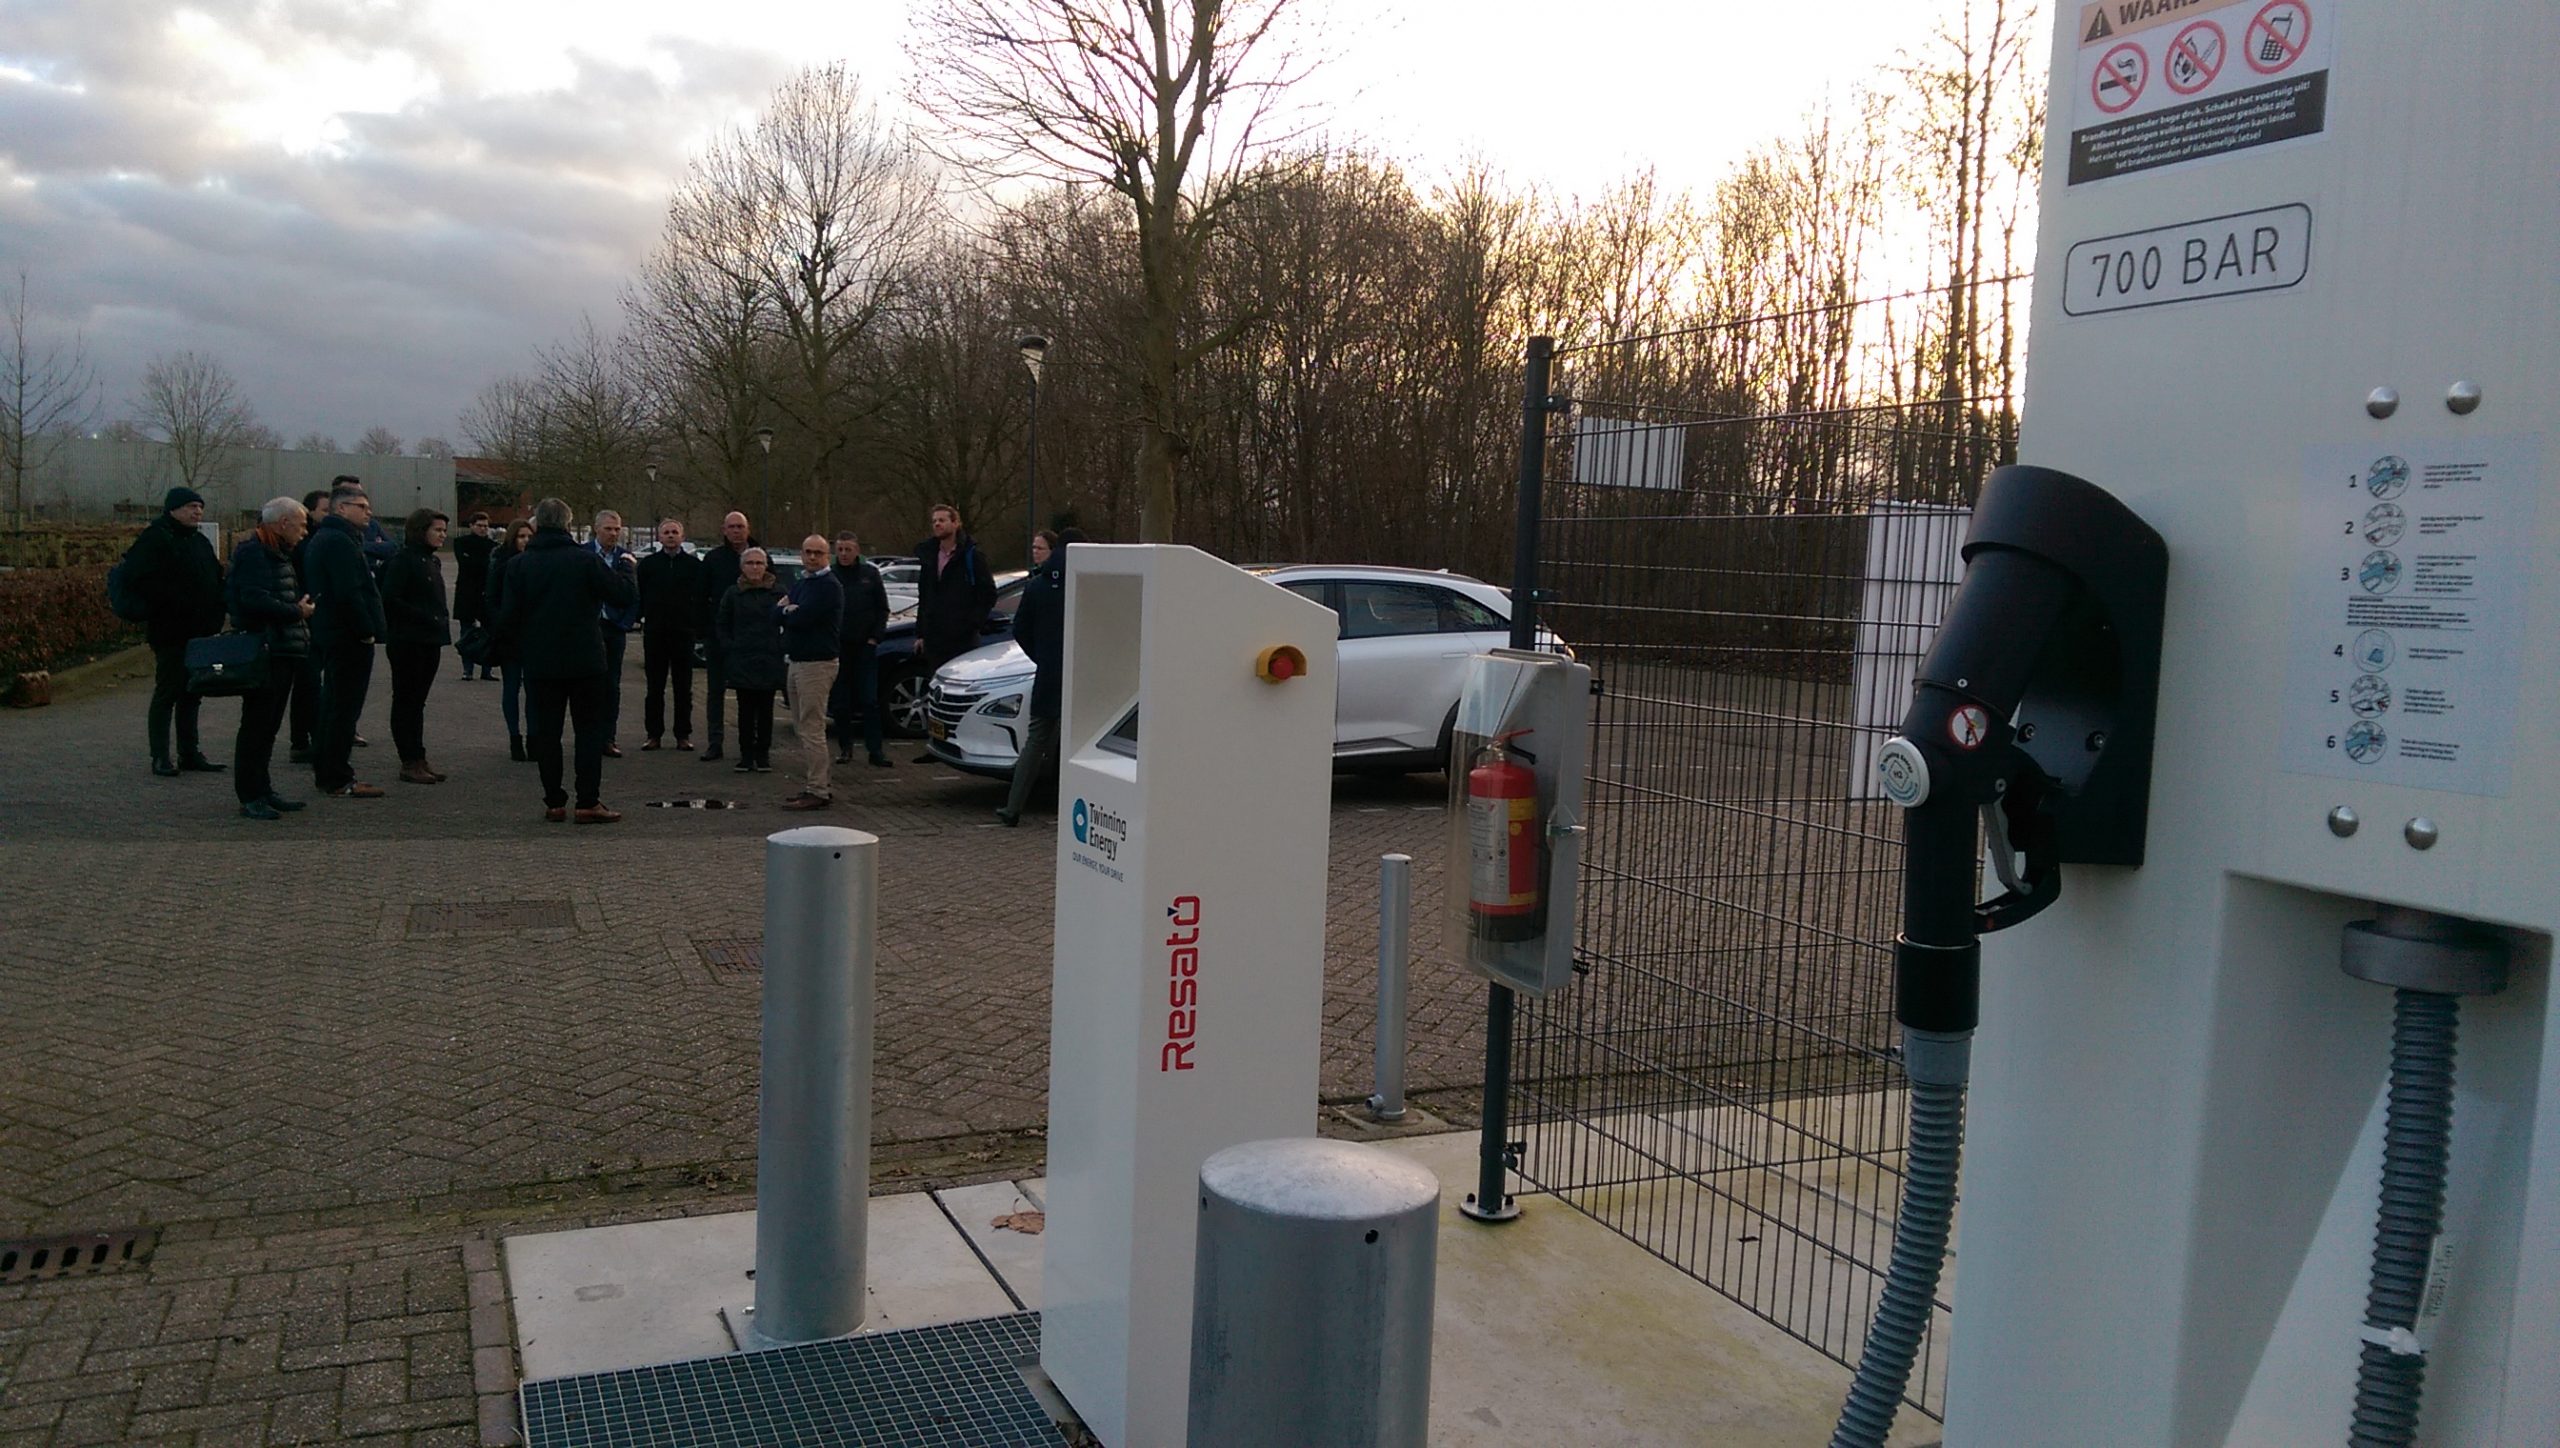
(811, 617)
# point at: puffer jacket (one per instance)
(265, 593)
(748, 625)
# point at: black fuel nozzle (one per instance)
(2054, 632)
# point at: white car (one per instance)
(1406, 635)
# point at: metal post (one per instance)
(813, 1127)
(1395, 956)
(1311, 1297)
(1491, 1200)
(1031, 482)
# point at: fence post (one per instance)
(1395, 957)
(1491, 1200)
(813, 1125)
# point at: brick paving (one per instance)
(332, 1105)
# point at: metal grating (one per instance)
(693, 804)
(736, 955)
(76, 1254)
(951, 1386)
(1747, 531)
(459, 917)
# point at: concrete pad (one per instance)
(1554, 1329)
(654, 1292)
(1014, 1254)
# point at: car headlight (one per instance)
(1005, 706)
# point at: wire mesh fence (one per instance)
(1748, 532)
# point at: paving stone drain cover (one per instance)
(739, 955)
(78, 1254)
(695, 804)
(453, 917)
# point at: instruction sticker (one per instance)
(2162, 82)
(2220, 256)
(2408, 611)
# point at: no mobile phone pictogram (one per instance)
(2277, 36)
(2122, 73)
(2195, 57)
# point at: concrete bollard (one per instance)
(813, 1121)
(1311, 1297)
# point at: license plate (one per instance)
(938, 729)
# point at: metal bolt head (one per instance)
(2343, 821)
(2382, 401)
(2421, 833)
(2462, 398)
(2097, 740)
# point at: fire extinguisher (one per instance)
(1506, 856)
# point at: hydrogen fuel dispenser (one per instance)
(2294, 310)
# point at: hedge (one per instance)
(55, 616)
(65, 545)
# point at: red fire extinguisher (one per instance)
(1505, 856)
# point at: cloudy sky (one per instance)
(369, 209)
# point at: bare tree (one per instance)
(379, 442)
(48, 396)
(259, 435)
(195, 404)
(1165, 102)
(315, 442)
(434, 447)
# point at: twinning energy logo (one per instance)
(1098, 829)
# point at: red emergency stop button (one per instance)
(1279, 664)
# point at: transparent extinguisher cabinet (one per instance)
(1517, 757)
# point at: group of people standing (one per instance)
(550, 617)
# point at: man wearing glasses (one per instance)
(810, 618)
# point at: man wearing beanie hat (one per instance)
(180, 581)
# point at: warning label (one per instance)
(2167, 81)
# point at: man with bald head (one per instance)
(719, 574)
(812, 620)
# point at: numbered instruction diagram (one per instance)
(2408, 610)
(2167, 81)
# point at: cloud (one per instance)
(367, 211)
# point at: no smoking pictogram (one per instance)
(2195, 57)
(2122, 73)
(2277, 36)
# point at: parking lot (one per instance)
(333, 1058)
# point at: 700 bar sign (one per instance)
(2220, 256)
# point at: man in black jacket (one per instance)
(719, 575)
(812, 635)
(265, 594)
(175, 572)
(866, 614)
(1040, 627)
(955, 591)
(553, 591)
(670, 593)
(471, 581)
(419, 626)
(344, 628)
(302, 711)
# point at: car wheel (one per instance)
(902, 703)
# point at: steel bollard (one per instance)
(813, 1122)
(1395, 958)
(1311, 1297)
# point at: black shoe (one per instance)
(164, 769)
(713, 753)
(515, 750)
(764, 766)
(924, 758)
(259, 809)
(743, 766)
(882, 761)
(277, 801)
(198, 764)
(1008, 818)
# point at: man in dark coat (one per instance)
(553, 591)
(1040, 627)
(174, 570)
(265, 594)
(605, 541)
(471, 581)
(812, 634)
(719, 575)
(955, 591)
(866, 615)
(670, 596)
(344, 628)
(419, 627)
(302, 711)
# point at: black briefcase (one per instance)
(227, 663)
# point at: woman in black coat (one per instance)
(748, 624)
(502, 649)
(419, 626)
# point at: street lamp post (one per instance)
(652, 470)
(764, 439)
(1034, 347)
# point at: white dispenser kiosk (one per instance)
(1195, 806)
(2295, 307)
